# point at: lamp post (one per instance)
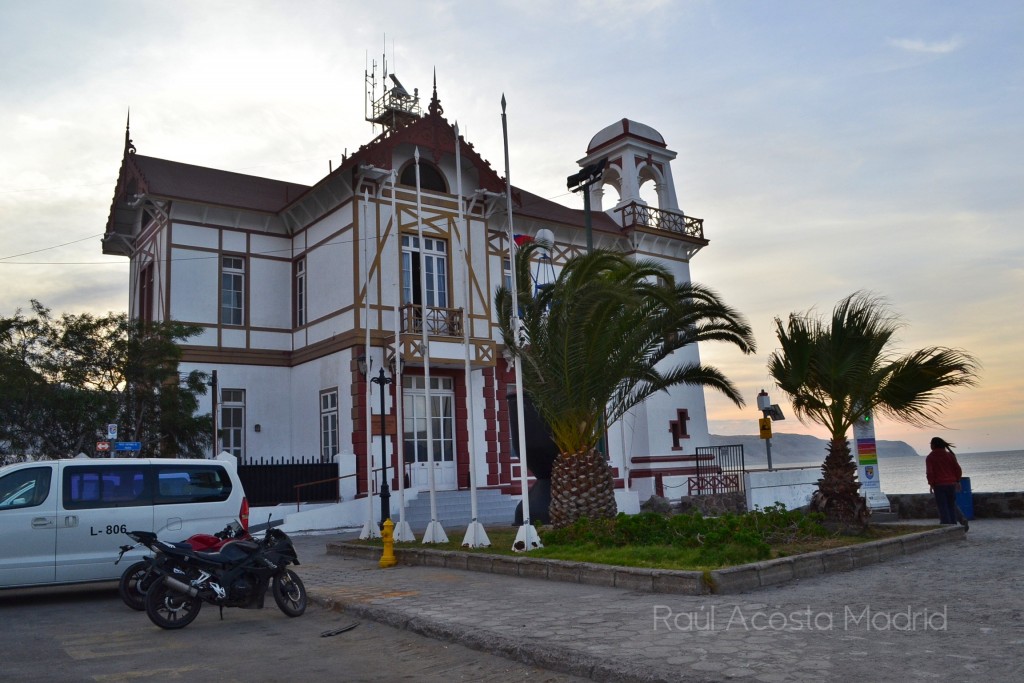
(582, 181)
(769, 411)
(385, 491)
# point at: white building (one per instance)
(286, 280)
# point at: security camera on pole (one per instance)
(770, 412)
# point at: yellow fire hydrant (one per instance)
(387, 534)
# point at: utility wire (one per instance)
(58, 246)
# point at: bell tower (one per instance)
(636, 154)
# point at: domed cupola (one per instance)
(636, 154)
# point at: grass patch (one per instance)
(690, 542)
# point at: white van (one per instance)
(63, 521)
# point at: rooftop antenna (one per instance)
(396, 107)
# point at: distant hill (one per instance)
(801, 448)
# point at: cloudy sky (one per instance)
(830, 147)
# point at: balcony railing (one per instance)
(639, 215)
(443, 322)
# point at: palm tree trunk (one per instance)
(838, 494)
(581, 486)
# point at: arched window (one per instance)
(431, 177)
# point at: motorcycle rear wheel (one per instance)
(167, 608)
(134, 583)
(290, 593)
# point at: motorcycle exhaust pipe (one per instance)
(180, 587)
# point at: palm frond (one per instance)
(593, 343)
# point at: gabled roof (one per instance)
(176, 180)
(159, 178)
(435, 137)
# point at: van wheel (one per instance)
(134, 583)
(168, 608)
(290, 593)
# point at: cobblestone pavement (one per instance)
(953, 612)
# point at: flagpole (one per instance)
(476, 536)
(526, 538)
(435, 532)
(370, 529)
(403, 532)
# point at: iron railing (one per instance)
(634, 215)
(723, 473)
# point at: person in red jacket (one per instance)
(944, 475)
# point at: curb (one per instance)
(736, 579)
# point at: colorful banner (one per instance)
(866, 452)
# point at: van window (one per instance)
(191, 484)
(88, 486)
(25, 488)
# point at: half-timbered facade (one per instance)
(288, 282)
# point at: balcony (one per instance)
(634, 215)
(441, 322)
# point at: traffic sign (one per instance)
(102, 445)
(128, 446)
(111, 432)
(765, 426)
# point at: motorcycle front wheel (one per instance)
(167, 608)
(134, 583)
(290, 593)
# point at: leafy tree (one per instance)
(63, 379)
(599, 341)
(839, 370)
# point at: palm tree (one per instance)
(592, 347)
(840, 371)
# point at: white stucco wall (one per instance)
(793, 488)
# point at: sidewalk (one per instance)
(954, 612)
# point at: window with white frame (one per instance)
(433, 258)
(328, 424)
(300, 292)
(232, 422)
(414, 418)
(232, 289)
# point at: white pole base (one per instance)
(370, 530)
(475, 536)
(403, 533)
(527, 539)
(435, 533)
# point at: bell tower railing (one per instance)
(634, 215)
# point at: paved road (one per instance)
(954, 612)
(86, 634)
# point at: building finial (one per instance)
(435, 107)
(129, 147)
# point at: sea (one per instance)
(991, 472)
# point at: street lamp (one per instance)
(385, 491)
(582, 181)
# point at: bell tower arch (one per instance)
(636, 154)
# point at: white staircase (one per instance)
(494, 508)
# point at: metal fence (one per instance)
(270, 482)
(723, 473)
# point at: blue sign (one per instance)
(127, 445)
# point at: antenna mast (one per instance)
(396, 107)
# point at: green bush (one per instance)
(728, 539)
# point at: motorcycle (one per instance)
(237, 575)
(137, 578)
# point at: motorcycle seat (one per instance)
(232, 551)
